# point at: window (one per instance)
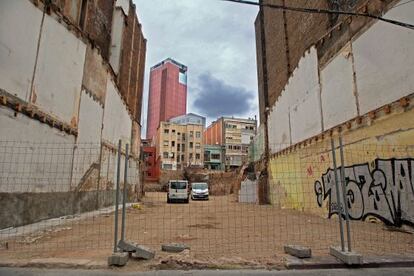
(172, 143)
(167, 166)
(149, 174)
(197, 156)
(191, 145)
(182, 158)
(172, 155)
(166, 143)
(178, 133)
(198, 134)
(191, 134)
(166, 131)
(215, 156)
(173, 131)
(191, 156)
(183, 147)
(183, 136)
(150, 154)
(165, 154)
(178, 147)
(198, 145)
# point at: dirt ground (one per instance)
(220, 232)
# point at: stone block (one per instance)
(298, 251)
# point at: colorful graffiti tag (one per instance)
(386, 191)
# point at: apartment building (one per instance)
(179, 146)
(235, 134)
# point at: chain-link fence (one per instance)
(58, 197)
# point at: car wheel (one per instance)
(168, 200)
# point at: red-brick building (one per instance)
(167, 94)
(151, 170)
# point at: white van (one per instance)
(177, 191)
(199, 190)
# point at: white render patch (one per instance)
(117, 123)
(18, 45)
(124, 5)
(279, 126)
(304, 90)
(90, 120)
(59, 72)
(337, 84)
(116, 40)
(384, 61)
(39, 159)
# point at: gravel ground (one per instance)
(220, 232)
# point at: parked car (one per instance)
(178, 190)
(199, 190)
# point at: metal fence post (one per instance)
(338, 198)
(125, 194)
(348, 229)
(118, 176)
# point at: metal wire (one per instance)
(232, 223)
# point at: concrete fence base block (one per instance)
(118, 259)
(143, 252)
(138, 251)
(298, 251)
(174, 247)
(349, 258)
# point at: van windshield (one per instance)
(200, 186)
(178, 185)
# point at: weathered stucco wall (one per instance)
(372, 75)
(28, 160)
(18, 46)
(117, 123)
(95, 74)
(384, 61)
(58, 77)
(338, 86)
(51, 136)
(301, 179)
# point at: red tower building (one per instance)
(167, 94)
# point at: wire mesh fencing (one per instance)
(68, 195)
(60, 196)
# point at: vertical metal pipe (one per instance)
(124, 197)
(118, 176)
(348, 228)
(338, 198)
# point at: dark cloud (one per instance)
(216, 98)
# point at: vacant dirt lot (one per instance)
(220, 229)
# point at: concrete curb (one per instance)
(56, 263)
(330, 262)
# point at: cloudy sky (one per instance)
(216, 40)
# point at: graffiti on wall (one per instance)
(385, 191)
